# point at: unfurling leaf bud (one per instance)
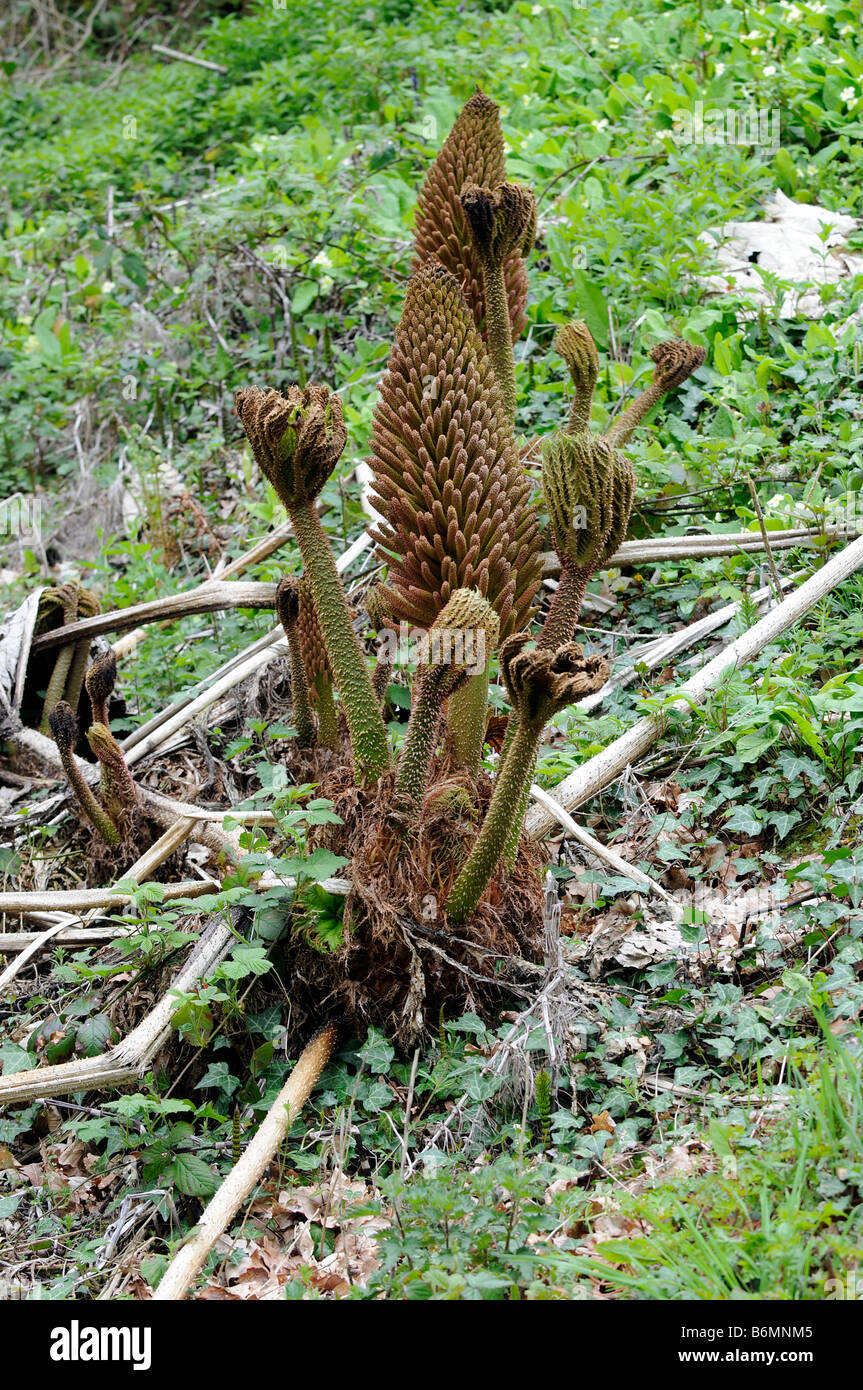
(578, 350)
(99, 682)
(64, 727)
(541, 682)
(296, 439)
(674, 361)
(578, 482)
(501, 220)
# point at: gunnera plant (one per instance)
(442, 881)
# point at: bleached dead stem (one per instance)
(247, 1173)
(604, 767)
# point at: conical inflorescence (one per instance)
(472, 154)
(449, 485)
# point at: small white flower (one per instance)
(326, 283)
(768, 71)
(718, 69)
(322, 259)
(848, 94)
(752, 35)
(537, 9)
(818, 39)
(527, 98)
(107, 286)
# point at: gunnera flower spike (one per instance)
(288, 610)
(472, 153)
(297, 440)
(452, 495)
(539, 683)
(64, 729)
(502, 222)
(448, 483)
(459, 644)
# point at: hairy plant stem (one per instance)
(499, 333)
(368, 732)
(60, 673)
(95, 814)
(491, 843)
(381, 677)
(436, 683)
(466, 718)
(622, 429)
(561, 620)
(302, 710)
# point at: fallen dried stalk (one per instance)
(11, 942)
(604, 767)
(106, 899)
(246, 1174)
(658, 651)
(210, 597)
(130, 1058)
(602, 851)
(668, 549)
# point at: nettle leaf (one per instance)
(8, 1204)
(321, 864)
(246, 960)
(94, 1035)
(192, 1175)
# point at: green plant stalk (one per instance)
(77, 670)
(369, 742)
(499, 333)
(564, 611)
(300, 693)
(466, 717)
(622, 429)
(60, 673)
(95, 814)
(57, 683)
(328, 718)
(421, 740)
(509, 790)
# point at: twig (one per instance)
(187, 58)
(210, 597)
(777, 587)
